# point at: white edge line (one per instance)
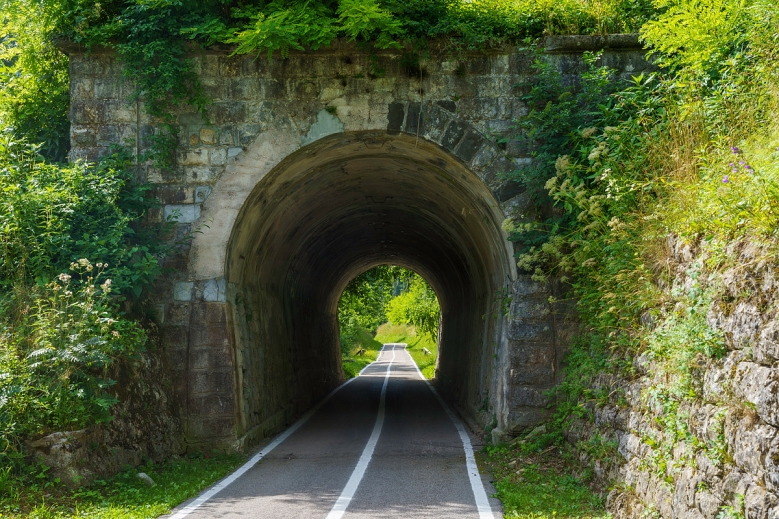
(343, 501)
(479, 493)
(224, 483)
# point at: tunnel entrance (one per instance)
(332, 210)
(388, 304)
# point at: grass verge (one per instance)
(540, 485)
(416, 344)
(123, 496)
(355, 361)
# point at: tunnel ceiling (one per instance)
(350, 202)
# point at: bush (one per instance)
(61, 328)
(58, 341)
(690, 152)
(417, 306)
(51, 216)
(34, 80)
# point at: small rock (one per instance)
(146, 479)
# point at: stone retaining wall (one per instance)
(736, 416)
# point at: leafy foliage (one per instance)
(281, 28)
(695, 33)
(56, 353)
(61, 329)
(51, 216)
(417, 306)
(34, 82)
(689, 151)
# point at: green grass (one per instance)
(123, 496)
(353, 363)
(406, 333)
(541, 486)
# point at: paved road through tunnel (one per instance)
(382, 445)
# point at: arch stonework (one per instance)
(253, 297)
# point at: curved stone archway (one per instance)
(305, 171)
(330, 211)
(296, 214)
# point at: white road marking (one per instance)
(221, 485)
(479, 493)
(349, 490)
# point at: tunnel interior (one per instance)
(332, 210)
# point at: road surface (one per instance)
(382, 445)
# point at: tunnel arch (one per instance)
(331, 210)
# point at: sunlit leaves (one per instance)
(692, 33)
(283, 27)
(34, 85)
(417, 306)
(366, 20)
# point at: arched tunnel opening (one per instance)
(332, 210)
(388, 304)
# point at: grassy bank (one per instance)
(541, 485)
(362, 351)
(416, 344)
(124, 496)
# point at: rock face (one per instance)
(305, 171)
(731, 450)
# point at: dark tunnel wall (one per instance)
(325, 214)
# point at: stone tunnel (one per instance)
(307, 171)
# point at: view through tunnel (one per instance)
(325, 214)
(388, 304)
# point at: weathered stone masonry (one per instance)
(307, 171)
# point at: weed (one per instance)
(123, 496)
(540, 486)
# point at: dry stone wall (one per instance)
(727, 463)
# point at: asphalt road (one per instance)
(383, 445)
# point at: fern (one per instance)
(366, 20)
(308, 24)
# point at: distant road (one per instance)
(383, 445)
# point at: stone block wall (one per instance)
(737, 415)
(262, 112)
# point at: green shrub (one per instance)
(34, 80)
(51, 216)
(61, 328)
(417, 306)
(689, 151)
(57, 347)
